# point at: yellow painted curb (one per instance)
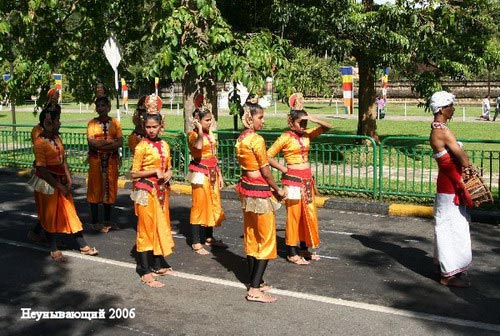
(181, 189)
(407, 210)
(320, 201)
(23, 173)
(121, 183)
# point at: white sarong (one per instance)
(452, 243)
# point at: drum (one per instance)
(476, 187)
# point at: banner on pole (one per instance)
(347, 88)
(385, 82)
(58, 80)
(157, 82)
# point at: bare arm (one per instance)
(325, 125)
(275, 164)
(451, 144)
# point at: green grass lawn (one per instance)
(277, 122)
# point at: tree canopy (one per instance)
(201, 42)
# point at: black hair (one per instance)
(103, 99)
(296, 114)
(53, 110)
(153, 116)
(254, 109)
(200, 113)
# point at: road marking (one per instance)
(297, 295)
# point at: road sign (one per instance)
(6, 77)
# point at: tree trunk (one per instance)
(367, 115)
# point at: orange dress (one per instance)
(133, 140)
(56, 212)
(103, 165)
(203, 174)
(35, 132)
(302, 218)
(151, 200)
(255, 195)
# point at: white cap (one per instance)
(440, 99)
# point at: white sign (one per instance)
(112, 52)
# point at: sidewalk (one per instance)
(372, 206)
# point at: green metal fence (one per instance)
(397, 168)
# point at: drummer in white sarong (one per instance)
(452, 245)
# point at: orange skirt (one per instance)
(153, 227)
(57, 213)
(260, 235)
(206, 209)
(301, 223)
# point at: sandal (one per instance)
(57, 256)
(297, 260)
(306, 254)
(90, 251)
(199, 249)
(100, 228)
(262, 298)
(153, 283)
(163, 271)
(212, 242)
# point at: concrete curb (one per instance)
(392, 209)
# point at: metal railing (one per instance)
(397, 168)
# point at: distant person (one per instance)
(497, 108)
(104, 136)
(138, 118)
(486, 109)
(452, 245)
(380, 101)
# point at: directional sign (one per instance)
(6, 77)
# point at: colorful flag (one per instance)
(157, 82)
(347, 88)
(58, 79)
(385, 82)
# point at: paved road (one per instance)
(375, 278)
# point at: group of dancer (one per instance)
(151, 172)
(258, 191)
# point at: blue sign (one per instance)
(6, 77)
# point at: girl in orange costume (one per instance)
(52, 184)
(302, 219)
(138, 119)
(151, 169)
(254, 189)
(104, 136)
(206, 181)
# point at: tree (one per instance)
(447, 35)
(198, 48)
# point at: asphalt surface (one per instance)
(375, 277)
